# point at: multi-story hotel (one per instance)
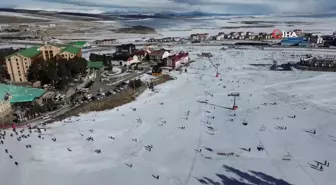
(18, 64)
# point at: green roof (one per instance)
(71, 49)
(79, 44)
(28, 52)
(20, 93)
(95, 64)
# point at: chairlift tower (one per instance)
(235, 94)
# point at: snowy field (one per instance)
(281, 110)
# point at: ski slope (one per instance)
(267, 101)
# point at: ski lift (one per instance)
(287, 157)
(262, 128)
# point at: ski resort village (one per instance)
(130, 108)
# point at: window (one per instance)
(17, 64)
(16, 59)
(20, 79)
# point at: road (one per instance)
(37, 121)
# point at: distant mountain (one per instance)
(121, 14)
(191, 14)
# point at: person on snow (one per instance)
(321, 168)
(69, 149)
(16, 163)
(129, 165)
(10, 156)
(157, 176)
(6, 150)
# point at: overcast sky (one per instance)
(209, 6)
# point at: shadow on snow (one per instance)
(243, 178)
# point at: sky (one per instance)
(153, 6)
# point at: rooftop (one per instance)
(28, 52)
(95, 64)
(79, 44)
(71, 49)
(20, 93)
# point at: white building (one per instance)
(5, 108)
(132, 60)
(220, 37)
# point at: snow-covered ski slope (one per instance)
(175, 155)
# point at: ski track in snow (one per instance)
(308, 95)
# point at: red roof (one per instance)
(157, 53)
(140, 52)
(178, 57)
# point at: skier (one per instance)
(157, 176)
(129, 165)
(314, 131)
(10, 156)
(294, 116)
(249, 149)
(16, 163)
(69, 149)
(6, 150)
(321, 168)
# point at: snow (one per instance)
(14, 46)
(22, 15)
(308, 95)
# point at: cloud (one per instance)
(210, 6)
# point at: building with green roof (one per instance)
(20, 94)
(28, 52)
(95, 65)
(70, 52)
(17, 64)
(80, 44)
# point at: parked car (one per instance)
(46, 117)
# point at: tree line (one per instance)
(58, 73)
